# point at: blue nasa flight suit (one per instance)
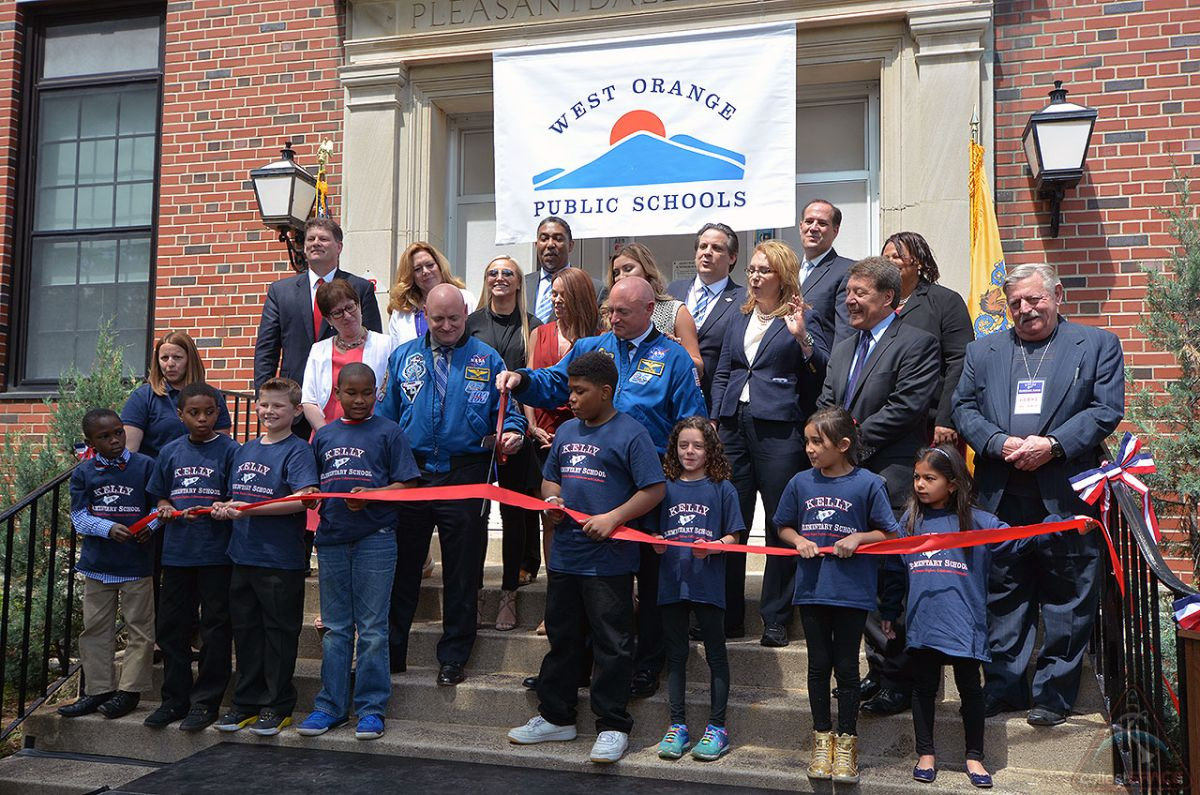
(658, 386)
(446, 441)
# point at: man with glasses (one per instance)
(711, 294)
(291, 320)
(553, 245)
(1036, 404)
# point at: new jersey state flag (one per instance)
(647, 136)
(986, 302)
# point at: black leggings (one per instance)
(927, 673)
(711, 620)
(833, 636)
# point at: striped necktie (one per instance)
(702, 303)
(544, 309)
(441, 372)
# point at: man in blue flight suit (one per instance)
(439, 389)
(658, 386)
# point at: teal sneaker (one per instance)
(713, 745)
(674, 743)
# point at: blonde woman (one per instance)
(421, 268)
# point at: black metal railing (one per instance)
(39, 609)
(1139, 659)
(241, 411)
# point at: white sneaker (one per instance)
(609, 747)
(540, 730)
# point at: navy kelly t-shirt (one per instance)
(825, 510)
(947, 589)
(369, 453)
(696, 510)
(263, 472)
(599, 469)
(158, 417)
(193, 475)
(117, 495)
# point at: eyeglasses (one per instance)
(759, 271)
(505, 272)
(338, 314)
(1033, 301)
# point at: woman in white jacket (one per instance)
(421, 268)
(353, 342)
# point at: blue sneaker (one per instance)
(713, 745)
(318, 723)
(674, 743)
(370, 727)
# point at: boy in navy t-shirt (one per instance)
(267, 547)
(193, 472)
(108, 493)
(356, 555)
(603, 463)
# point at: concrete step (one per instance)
(747, 765)
(34, 773)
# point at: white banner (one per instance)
(648, 136)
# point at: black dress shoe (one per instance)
(774, 636)
(1041, 716)
(165, 715)
(644, 685)
(869, 688)
(398, 666)
(86, 705)
(450, 674)
(120, 705)
(888, 702)
(994, 706)
(529, 683)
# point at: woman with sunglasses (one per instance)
(502, 322)
(353, 342)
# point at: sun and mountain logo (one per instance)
(640, 153)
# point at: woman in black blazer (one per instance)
(766, 385)
(939, 310)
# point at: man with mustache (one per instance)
(1036, 404)
(554, 245)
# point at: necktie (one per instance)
(317, 317)
(702, 305)
(805, 269)
(860, 360)
(544, 309)
(628, 349)
(441, 373)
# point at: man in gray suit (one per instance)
(1036, 404)
(823, 274)
(554, 245)
(291, 323)
(711, 296)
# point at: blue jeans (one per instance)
(356, 587)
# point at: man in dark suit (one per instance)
(711, 296)
(291, 323)
(1036, 404)
(823, 273)
(554, 245)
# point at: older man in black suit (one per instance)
(886, 375)
(554, 245)
(711, 295)
(1036, 404)
(291, 321)
(823, 274)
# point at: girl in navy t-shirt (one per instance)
(947, 604)
(834, 504)
(700, 505)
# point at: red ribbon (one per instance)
(486, 491)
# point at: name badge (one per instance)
(1029, 397)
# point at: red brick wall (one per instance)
(1138, 64)
(240, 80)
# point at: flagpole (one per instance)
(975, 124)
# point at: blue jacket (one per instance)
(472, 401)
(658, 388)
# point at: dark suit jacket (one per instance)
(825, 292)
(783, 386)
(1083, 402)
(531, 287)
(943, 313)
(286, 329)
(712, 333)
(891, 400)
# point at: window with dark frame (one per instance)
(88, 230)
